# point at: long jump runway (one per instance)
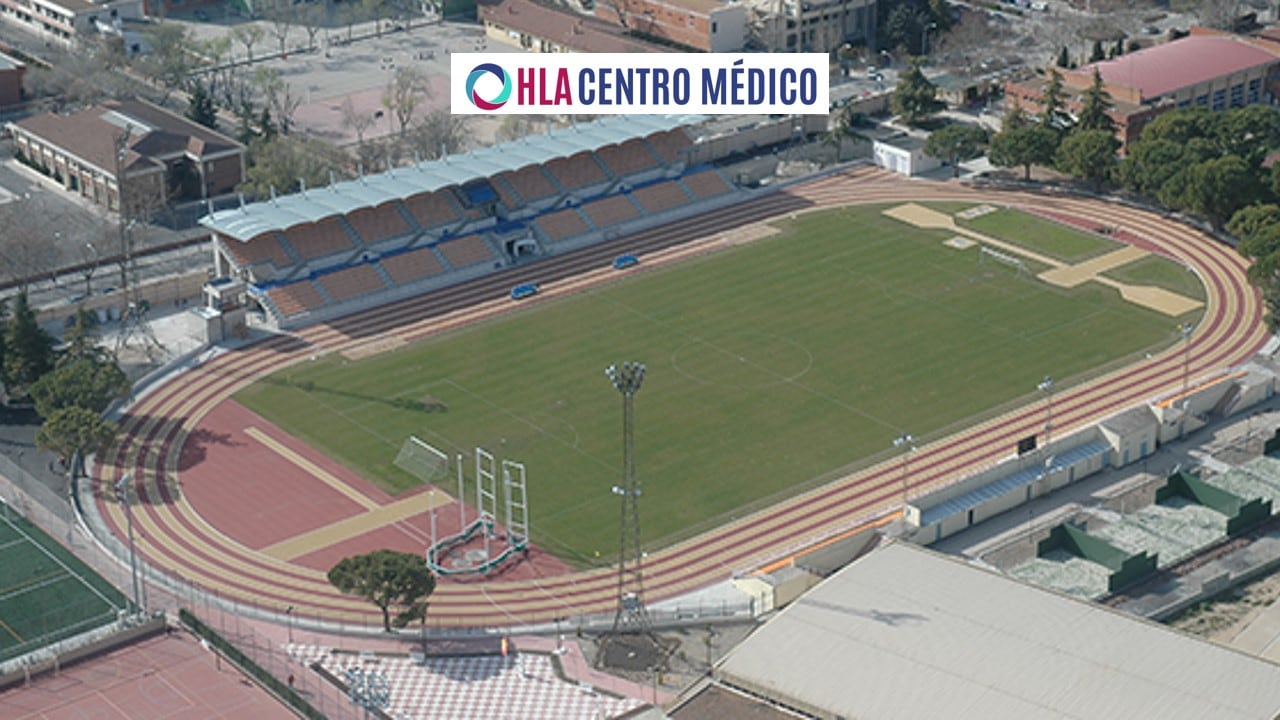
(206, 538)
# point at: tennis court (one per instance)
(46, 593)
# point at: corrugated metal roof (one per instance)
(905, 632)
(1000, 486)
(317, 204)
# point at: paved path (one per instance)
(181, 541)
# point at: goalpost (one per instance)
(423, 461)
(985, 253)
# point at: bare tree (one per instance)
(403, 94)
(438, 134)
(27, 246)
(75, 80)
(1220, 14)
(376, 10)
(248, 35)
(356, 120)
(279, 96)
(281, 16)
(312, 20)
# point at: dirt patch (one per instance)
(1224, 617)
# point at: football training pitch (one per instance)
(46, 593)
(772, 365)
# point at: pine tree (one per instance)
(201, 109)
(1097, 53)
(28, 348)
(1094, 105)
(266, 127)
(1064, 58)
(1053, 100)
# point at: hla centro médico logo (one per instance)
(488, 69)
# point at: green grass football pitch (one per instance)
(771, 366)
(46, 593)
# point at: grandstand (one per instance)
(353, 244)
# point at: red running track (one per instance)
(198, 542)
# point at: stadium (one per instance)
(772, 432)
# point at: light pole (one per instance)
(288, 612)
(1186, 328)
(91, 266)
(626, 379)
(907, 444)
(1046, 387)
(122, 496)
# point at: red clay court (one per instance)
(166, 677)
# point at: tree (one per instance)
(387, 579)
(280, 14)
(170, 60)
(1118, 50)
(356, 120)
(1097, 53)
(1250, 222)
(1094, 105)
(27, 247)
(89, 382)
(1064, 58)
(1150, 164)
(312, 20)
(1053, 100)
(248, 35)
(1089, 154)
(281, 162)
(1249, 132)
(955, 144)
(438, 134)
(28, 348)
(1025, 146)
(915, 98)
(406, 90)
(279, 96)
(845, 127)
(201, 109)
(375, 10)
(75, 432)
(1014, 117)
(1218, 187)
(1181, 126)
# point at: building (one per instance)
(903, 154)
(67, 21)
(707, 25)
(542, 28)
(811, 26)
(1208, 68)
(11, 72)
(165, 158)
(905, 632)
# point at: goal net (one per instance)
(421, 460)
(987, 254)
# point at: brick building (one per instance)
(11, 72)
(1208, 68)
(165, 157)
(708, 25)
(541, 28)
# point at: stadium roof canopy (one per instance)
(906, 632)
(308, 206)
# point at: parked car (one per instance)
(524, 290)
(623, 262)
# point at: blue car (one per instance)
(523, 291)
(623, 262)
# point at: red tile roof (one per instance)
(1192, 60)
(569, 29)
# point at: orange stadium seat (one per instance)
(379, 223)
(577, 172)
(432, 209)
(319, 239)
(670, 145)
(412, 265)
(531, 183)
(629, 158)
(352, 282)
(261, 248)
(661, 196)
(295, 298)
(610, 210)
(466, 250)
(705, 184)
(562, 224)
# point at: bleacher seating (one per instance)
(629, 158)
(380, 223)
(562, 224)
(315, 240)
(262, 248)
(412, 265)
(352, 282)
(530, 183)
(670, 145)
(610, 210)
(661, 196)
(296, 297)
(705, 184)
(467, 250)
(577, 172)
(432, 209)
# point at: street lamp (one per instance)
(907, 444)
(289, 614)
(122, 496)
(90, 268)
(1186, 328)
(1046, 387)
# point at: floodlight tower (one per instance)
(907, 443)
(122, 496)
(1186, 329)
(1046, 387)
(630, 615)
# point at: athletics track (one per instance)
(204, 533)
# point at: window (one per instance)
(713, 27)
(1219, 100)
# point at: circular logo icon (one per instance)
(488, 69)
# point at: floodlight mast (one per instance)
(122, 496)
(626, 379)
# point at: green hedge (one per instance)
(242, 661)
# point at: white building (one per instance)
(812, 25)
